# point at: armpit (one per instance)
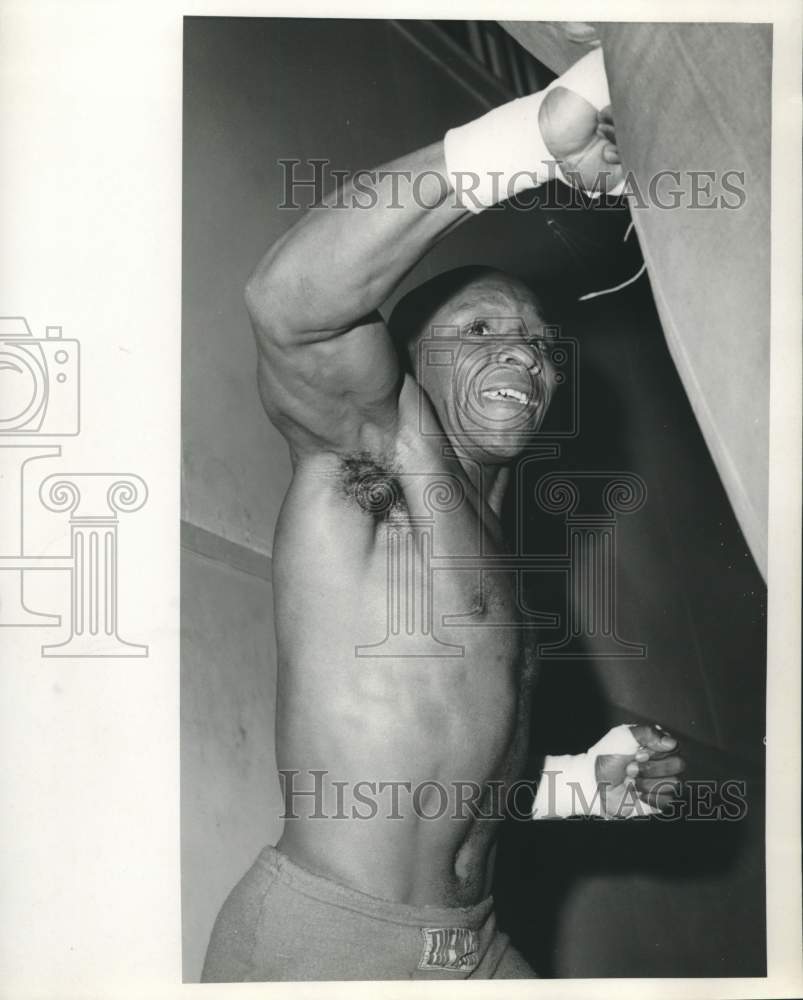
(373, 485)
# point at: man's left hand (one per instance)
(582, 139)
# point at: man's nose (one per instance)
(519, 355)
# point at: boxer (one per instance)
(362, 886)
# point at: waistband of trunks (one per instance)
(324, 889)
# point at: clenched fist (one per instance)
(582, 139)
(648, 776)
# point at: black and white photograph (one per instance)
(475, 380)
(401, 501)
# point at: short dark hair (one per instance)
(413, 313)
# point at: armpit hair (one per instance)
(373, 484)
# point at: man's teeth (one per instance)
(514, 394)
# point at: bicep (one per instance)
(323, 393)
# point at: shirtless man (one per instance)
(389, 892)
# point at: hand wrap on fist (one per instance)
(504, 152)
(569, 784)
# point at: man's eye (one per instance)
(478, 328)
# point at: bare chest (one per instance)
(439, 566)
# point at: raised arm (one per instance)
(342, 260)
(327, 365)
(328, 372)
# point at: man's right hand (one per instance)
(653, 771)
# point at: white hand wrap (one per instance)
(503, 153)
(568, 785)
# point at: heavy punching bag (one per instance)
(692, 108)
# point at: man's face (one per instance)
(493, 394)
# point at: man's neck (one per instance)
(489, 480)
(496, 483)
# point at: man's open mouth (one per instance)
(507, 394)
